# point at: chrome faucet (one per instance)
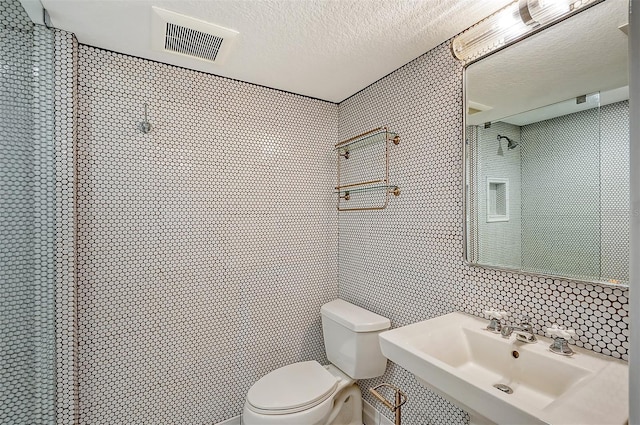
(495, 320)
(523, 331)
(561, 337)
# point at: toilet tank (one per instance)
(351, 339)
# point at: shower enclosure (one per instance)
(36, 217)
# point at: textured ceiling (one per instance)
(584, 54)
(327, 49)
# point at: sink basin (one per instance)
(456, 356)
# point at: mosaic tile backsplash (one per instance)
(406, 262)
(206, 247)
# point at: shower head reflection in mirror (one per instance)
(511, 144)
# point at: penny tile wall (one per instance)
(65, 124)
(36, 232)
(566, 182)
(406, 262)
(615, 181)
(206, 247)
(20, 249)
(497, 243)
(564, 231)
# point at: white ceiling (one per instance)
(584, 54)
(328, 49)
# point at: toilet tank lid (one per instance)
(353, 317)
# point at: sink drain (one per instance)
(504, 388)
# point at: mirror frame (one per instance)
(465, 250)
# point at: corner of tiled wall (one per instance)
(406, 262)
(205, 247)
(65, 86)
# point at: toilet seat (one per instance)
(292, 388)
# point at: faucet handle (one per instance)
(495, 314)
(561, 337)
(556, 331)
(495, 317)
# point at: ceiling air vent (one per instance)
(186, 36)
(191, 42)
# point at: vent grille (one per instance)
(192, 42)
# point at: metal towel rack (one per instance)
(346, 150)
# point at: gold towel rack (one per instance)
(345, 150)
(359, 136)
(358, 184)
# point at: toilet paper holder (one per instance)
(400, 398)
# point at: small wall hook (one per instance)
(145, 126)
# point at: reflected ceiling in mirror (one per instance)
(547, 151)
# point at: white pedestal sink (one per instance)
(455, 356)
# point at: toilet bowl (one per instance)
(285, 397)
(307, 393)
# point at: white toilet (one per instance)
(307, 393)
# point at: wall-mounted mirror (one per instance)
(547, 151)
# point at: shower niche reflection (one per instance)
(547, 152)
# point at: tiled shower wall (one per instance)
(615, 182)
(206, 247)
(37, 210)
(586, 155)
(498, 243)
(561, 193)
(579, 233)
(20, 250)
(406, 262)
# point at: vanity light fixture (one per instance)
(512, 23)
